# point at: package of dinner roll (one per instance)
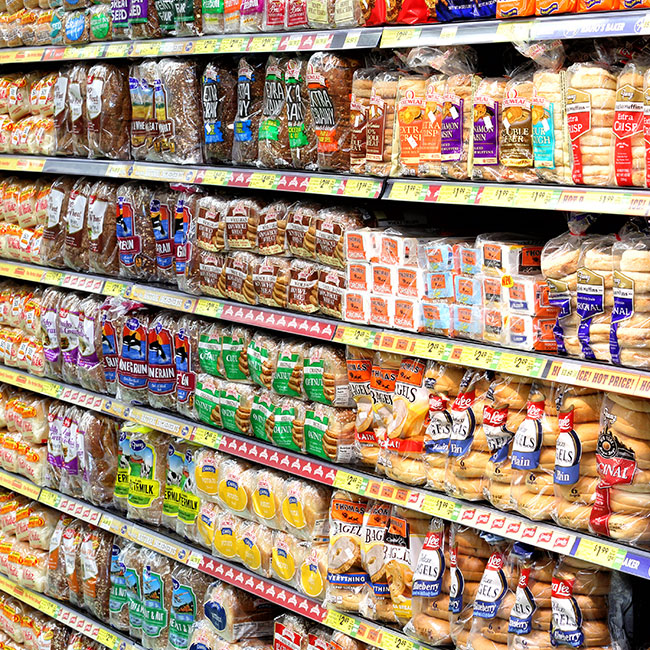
(287, 554)
(401, 454)
(226, 531)
(407, 131)
(487, 123)
(590, 113)
(622, 506)
(346, 579)
(469, 552)
(457, 135)
(431, 583)
(379, 124)
(631, 259)
(503, 412)
(468, 447)
(595, 296)
(533, 455)
(576, 471)
(305, 508)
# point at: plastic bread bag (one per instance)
(161, 384)
(102, 235)
(329, 229)
(266, 488)
(100, 458)
(156, 600)
(54, 233)
(250, 96)
(134, 229)
(69, 336)
(468, 448)
(235, 340)
(263, 418)
(186, 358)
(487, 125)
(144, 21)
(325, 378)
(188, 18)
(290, 554)
(211, 280)
(300, 241)
(590, 113)
(72, 447)
(401, 455)
(211, 223)
(175, 462)
(533, 455)
(52, 476)
(50, 333)
(208, 513)
(132, 562)
(270, 280)
(300, 123)
(132, 365)
(118, 616)
(75, 247)
(41, 527)
(271, 229)
(273, 147)
(162, 214)
(238, 272)
(313, 571)
(550, 137)
(594, 295)
(189, 501)
(77, 84)
(378, 122)
(219, 98)
(457, 126)
(359, 363)
(96, 548)
(147, 475)
(431, 131)
(377, 603)
(290, 631)
(108, 108)
(90, 370)
(208, 399)
(346, 578)
(320, 14)
(226, 533)
(235, 406)
(409, 119)
(188, 593)
(241, 218)
(210, 352)
(70, 550)
(329, 433)
(288, 376)
(329, 79)
(285, 426)
(114, 313)
(123, 474)
(504, 410)
(430, 597)
(234, 487)
(143, 118)
(254, 547)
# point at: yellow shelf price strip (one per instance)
(350, 482)
(519, 364)
(390, 641)
(356, 336)
(408, 191)
(106, 638)
(399, 37)
(537, 198)
(49, 498)
(209, 308)
(432, 350)
(600, 553)
(319, 185)
(341, 622)
(260, 181)
(54, 278)
(362, 188)
(498, 196)
(439, 507)
(461, 194)
(477, 357)
(207, 437)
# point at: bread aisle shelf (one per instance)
(68, 616)
(483, 517)
(627, 381)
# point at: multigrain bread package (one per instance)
(576, 470)
(380, 122)
(407, 133)
(487, 125)
(142, 129)
(250, 98)
(329, 79)
(590, 113)
(457, 126)
(219, 99)
(302, 138)
(629, 147)
(273, 148)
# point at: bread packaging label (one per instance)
(410, 113)
(132, 370)
(123, 466)
(559, 296)
(463, 422)
(210, 356)
(486, 131)
(161, 225)
(118, 597)
(543, 133)
(492, 588)
(288, 374)
(243, 123)
(287, 638)
(282, 561)
(225, 540)
(623, 310)
(431, 129)
(182, 218)
(172, 485)
(427, 579)
(128, 239)
(578, 111)
(274, 100)
(520, 621)
(182, 613)
(295, 102)
(527, 443)
(568, 451)
(452, 128)
(156, 616)
(376, 128)
(566, 621)
(184, 354)
(161, 366)
(233, 347)
(206, 476)
(590, 303)
(322, 110)
(144, 485)
(628, 123)
(189, 503)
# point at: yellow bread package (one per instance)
(533, 455)
(430, 597)
(359, 364)
(385, 368)
(504, 411)
(401, 454)
(576, 470)
(407, 135)
(468, 447)
(443, 380)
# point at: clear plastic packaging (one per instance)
(157, 597)
(77, 86)
(69, 336)
(409, 118)
(381, 119)
(300, 123)
(457, 139)
(100, 458)
(161, 384)
(132, 562)
(76, 243)
(90, 370)
(96, 547)
(273, 147)
(250, 95)
(487, 118)
(103, 254)
(132, 365)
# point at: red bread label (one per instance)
(579, 121)
(646, 134)
(628, 122)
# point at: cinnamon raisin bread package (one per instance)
(590, 112)
(250, 97)
(487, 118)
(380, 123)
(329, 79)
(273, 149)
(219, 99)
(457, 139)
(430, 162)
(300, 124)
(108, 108)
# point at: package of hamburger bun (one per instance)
(431, 584)
(622, 506)
(595, 296)
(377, 604)
(401, 453)
(407, 530)
(533, 455)
(559, 265)
(468, 447)
(579, 604)
(503, 411)
(385, 368)
(346, 578)
(529, 616)
(443, 382)
(628, 340)
(576, 472)
(359, 364)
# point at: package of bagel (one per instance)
(533, 454)
(289, 370)
(401, 453)
(590, 112)
(234, 350)
(302, 290)
(493, 601)
(469, 552)
(622, 506)
(238, 272)
(262, 358)
(210, 354)
(359, 366)
(305, 508)
(285, 426)
(457, 135)
(529, 616)
(503, 412)
(468, 448)
(576, 473)
(300, 237)
(579, 604)
(242, 217)
(595, 296)
(329, 432)
(631, 310)
(443, 382)
(487, 123)
(377, 604)
(431, 584)
(346, 579)
(325, 378)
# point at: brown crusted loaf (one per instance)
(329, 78)
(54, 233)
(90, 370)
(302, 139)
(108, 109)
(273, 148)
(102, 213)
(219, 97)
(75, 249)
(100, 453)
(250, 95)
